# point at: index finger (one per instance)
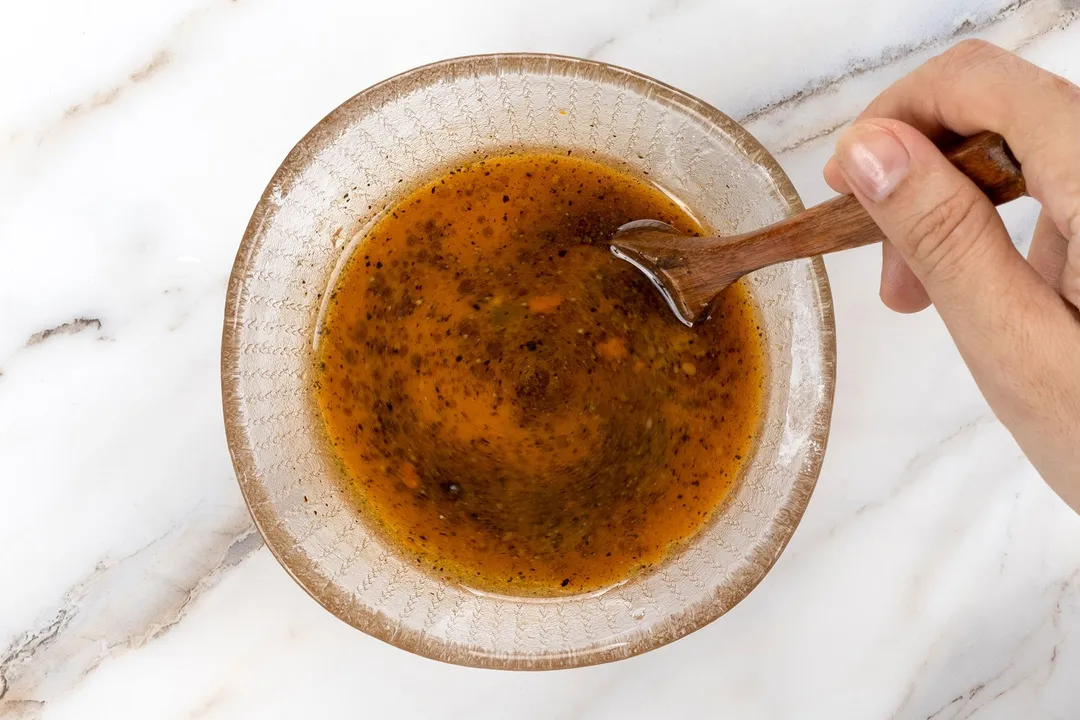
(977, 86)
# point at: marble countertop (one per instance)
(934, 574)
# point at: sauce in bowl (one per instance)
(513, 407)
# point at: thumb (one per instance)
(1015, 332)
(941, 224)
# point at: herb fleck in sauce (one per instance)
(515, 408)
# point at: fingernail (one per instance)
(872, 159)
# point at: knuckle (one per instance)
(968, 56)
(960, 61)
(942, 237)
(975, 49)
(1070, 276)
(1070, 290)
(1058, 85)
(968, 53)
(1070, 224)
(1059, 186)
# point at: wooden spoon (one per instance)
(691, 271)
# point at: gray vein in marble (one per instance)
(978, 690)
(599, 47)
(825, 85)
(812, 137)
(1070, 11)
(1014, 504)
(1049, 664)
(891, 55)
(107, 97)
(36, 642)
(665, 8)
(913, 471)
(23, 649)
(960, 705)
(244, 545)
(159, 61)
(659, 11)
(122, 605)
(69, 328)
(208, 705)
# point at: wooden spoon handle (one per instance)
(691, 271)
(987, 160)
(842, 223)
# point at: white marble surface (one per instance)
(934, 575)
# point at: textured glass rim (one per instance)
(372, 621)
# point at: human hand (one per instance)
(1015, 322)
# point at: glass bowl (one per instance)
(337, 180)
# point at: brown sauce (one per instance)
(516, 409)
